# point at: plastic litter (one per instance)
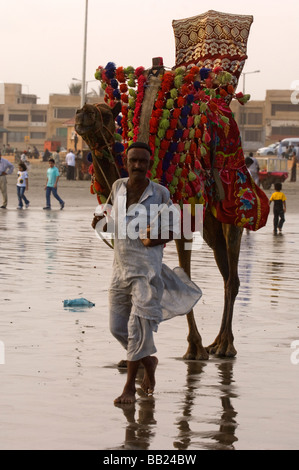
(78, 303)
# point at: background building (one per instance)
(24, 123)
(24, 120)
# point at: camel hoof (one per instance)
(222, 350)
(200, 355)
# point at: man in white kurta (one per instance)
(143, 290)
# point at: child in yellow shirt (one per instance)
(280, 207)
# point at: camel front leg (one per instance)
(227, 258)
(195, 350)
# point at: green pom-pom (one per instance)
(175, 181)
(161, 133)
(117, 137)
(166, 114)
(192, 134)
(187, 145)
(225, 119)
(178, 172)
(203, 107)
(131, 82)
(132, 103)
(129, 70)
(164, 124)
(171, 189)
(224, 78)
(131, 134)
(191, 176)
(197, 119)
(203, 151)
(132, 92)
(183, 158)
(180, 71)
(174, 93)
(170, 104)
(130, 114)
(178, 81)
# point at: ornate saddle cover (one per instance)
(184, 115)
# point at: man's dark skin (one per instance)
(138, 163)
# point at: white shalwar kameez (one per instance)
(143, 290)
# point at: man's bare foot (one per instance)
(127, 397)
(148, 384)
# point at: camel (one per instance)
(96, 124)
(211, 160)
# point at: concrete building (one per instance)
(24, 120)
(24, 123)
(262, 123)
(282, 116)
(251, 119)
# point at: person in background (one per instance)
(253, 168)
(6, 168)
(51, 185)
(293, 167)
(22, 186)
(70, 160)
(280, 207)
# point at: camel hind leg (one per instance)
(226, 242)
(195, 350)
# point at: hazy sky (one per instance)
(42, 40)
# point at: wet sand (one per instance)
(60, 376)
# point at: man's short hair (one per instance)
(140, 145)
(51, 160)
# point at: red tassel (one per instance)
(176, 112)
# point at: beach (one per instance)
(59, 372)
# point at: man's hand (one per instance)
(147, 241)
(96, 219)
(145, 236)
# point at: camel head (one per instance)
(95, 123)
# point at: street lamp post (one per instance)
(83, 93)
(243, 114)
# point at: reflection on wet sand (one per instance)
(224, 437)
(141, 430)
(59, 380)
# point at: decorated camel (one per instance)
(184, 115)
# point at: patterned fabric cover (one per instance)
(213, 39)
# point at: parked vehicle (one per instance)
(270, 150)
(272, 170)
(294, 141)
